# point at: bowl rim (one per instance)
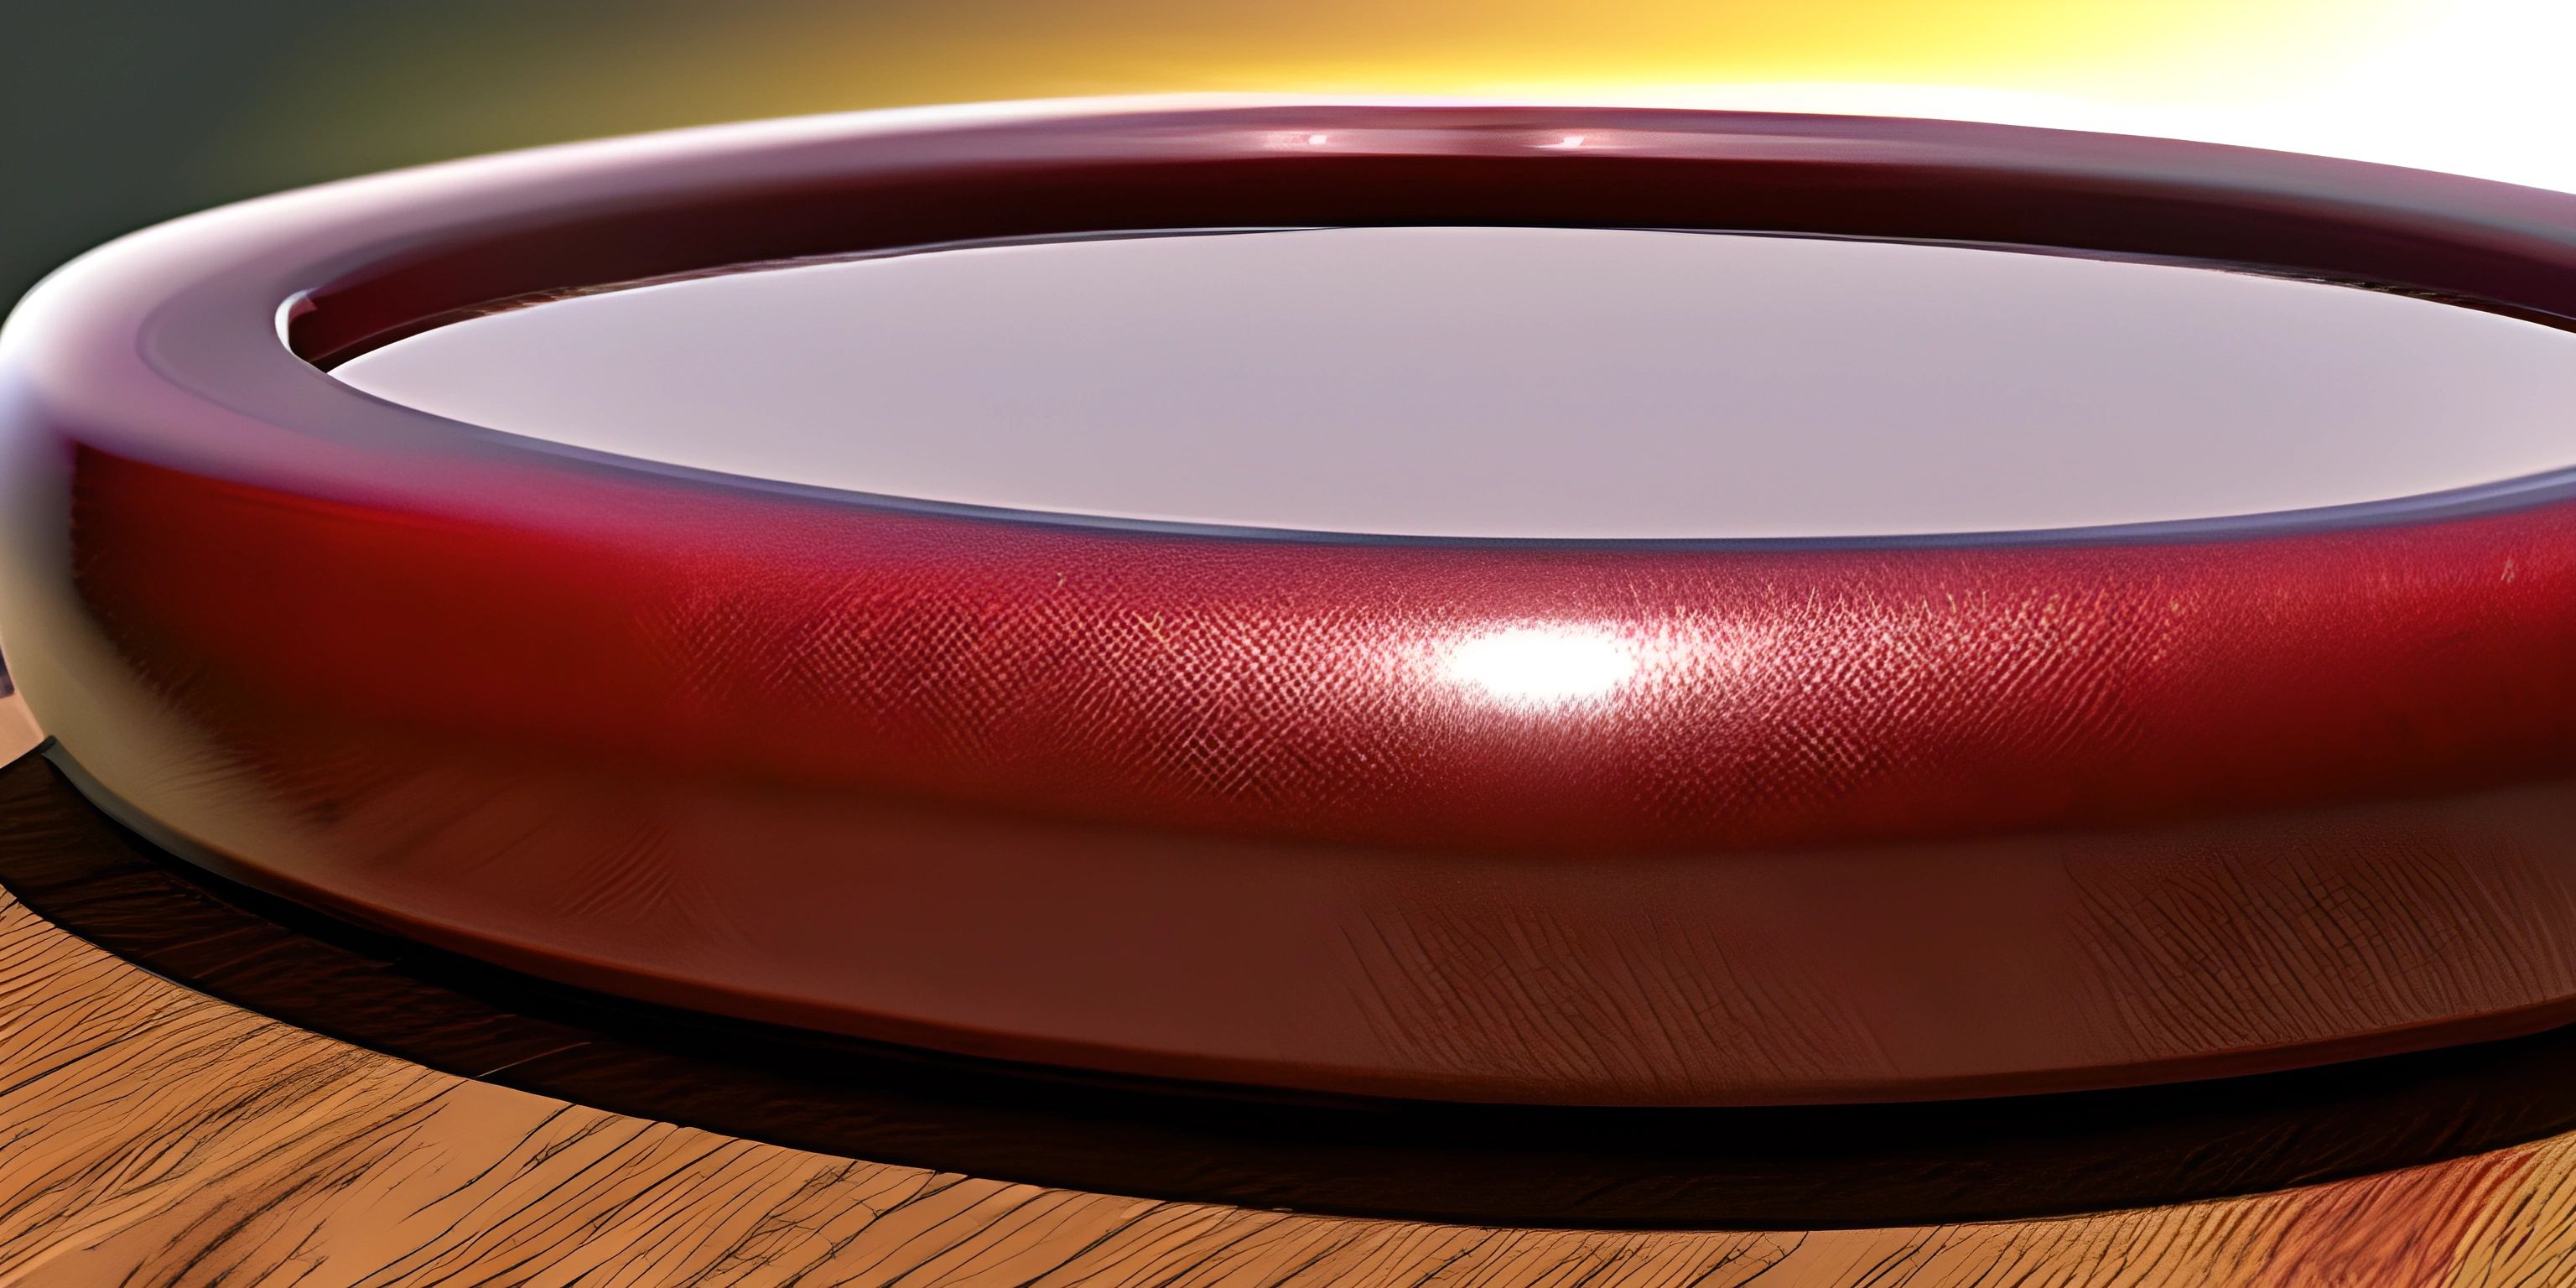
(207, 337)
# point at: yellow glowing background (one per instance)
(129, 112)
(2475, 85)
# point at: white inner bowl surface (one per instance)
(1526, 382)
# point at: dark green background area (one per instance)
(117, 115)
(121, 113)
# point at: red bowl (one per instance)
(1884, 819)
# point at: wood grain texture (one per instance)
(150, 1135)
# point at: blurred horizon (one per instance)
(121, 115)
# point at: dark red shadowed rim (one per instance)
(1881, 820)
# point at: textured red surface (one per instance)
(1304, 692)
(1862, 821)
